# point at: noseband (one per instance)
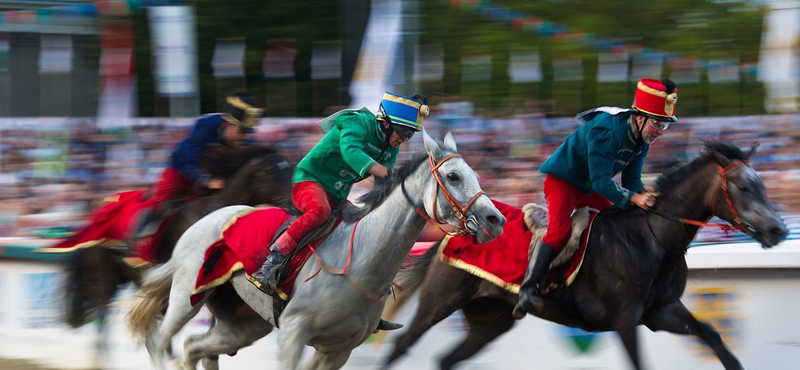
(738, 225)
(467, 225)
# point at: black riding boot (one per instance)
(387, 325)
(530, 292)
(271, 270)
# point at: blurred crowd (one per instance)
(51, 177)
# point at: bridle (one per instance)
(467, 225)
(738, 224)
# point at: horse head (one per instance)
(740, 197)
(271, 180)
(456, 197)
(258, 171)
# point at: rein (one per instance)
(467, 225)
(739, 224)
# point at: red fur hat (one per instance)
(653, 99)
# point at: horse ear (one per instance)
(752, 151)
(431, 146)
(450, 142)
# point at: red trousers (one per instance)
(169, 185)
(562, 199)
(315, 203)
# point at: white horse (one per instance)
(334, 313)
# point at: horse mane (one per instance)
(223, 161)
(675, 175)
(382, 188)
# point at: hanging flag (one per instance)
(646, 65)
(567, 69)
(228, 59)
(174, 45)
(722, 71)
(684, 69)
(524, 66)
(4, 49)
(429, 63)
(55, 56)
(326, 60)
(279, 56)
(613, 67)
(476, 64)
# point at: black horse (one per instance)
(255, 174)
(634, 271)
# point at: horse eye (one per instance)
(452, 176)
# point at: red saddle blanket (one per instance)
(504, 260)
(245, 245)
(109, 225)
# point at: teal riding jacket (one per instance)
(599, 150)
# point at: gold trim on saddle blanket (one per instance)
(474, 270)
(103, 242)
(236, 266)
(514, 287)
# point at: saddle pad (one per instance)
(109, 225)
(245, 245)
(504, 260)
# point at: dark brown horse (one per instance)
(256, 174)
(634, 271)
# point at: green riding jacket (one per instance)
(345, 153)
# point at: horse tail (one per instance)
(151, 300)
(409, 279)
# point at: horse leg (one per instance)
(328, 360)
(487, 319)
(676, 318)
(179, 312)
(230, 334)
(436, 302)
(626, 321)
(295, 333)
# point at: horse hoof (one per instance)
(519, 313)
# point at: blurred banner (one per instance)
(174, 43)
(684, 69)
(326, 60)
(524, 66)
(778, 62)
(720, 71)
(567, 68)
(118, 90)
(279, 56)
(429, 63)
(381, 39)
(228, 60)
(56, 53)
(646, 65)
(476, 64)
(613, 67)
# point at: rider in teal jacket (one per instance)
(600, 149)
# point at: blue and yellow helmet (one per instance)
(402, 110)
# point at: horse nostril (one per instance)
(494, 220)
(780, 231)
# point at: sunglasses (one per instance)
(658, 125)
